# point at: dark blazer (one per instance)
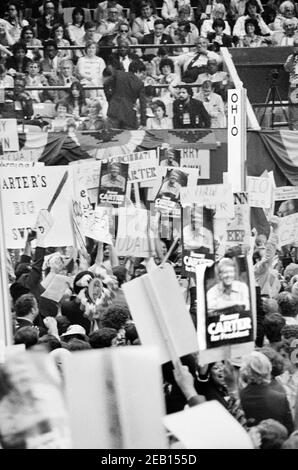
(149, 39)
(11, 63)
(227, 41)
(43, 32)
(199, 118)
(263, 402)
(71, 309)
(59, 81)
(114, 60)
(127, 88)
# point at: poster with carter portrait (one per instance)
(226, 307)
(197, 238)
(168, 196)
(112, 183)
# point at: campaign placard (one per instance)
(25, 191)
(259, 191)
(238, 227)
(285, 201)
(225, 304)
(168, 196)
(112, 184)
(197, 237)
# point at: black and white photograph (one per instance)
(148, 256)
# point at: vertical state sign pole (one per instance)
(237, 138)
(5, 308)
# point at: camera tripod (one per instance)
(273, 97)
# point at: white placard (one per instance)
(9, 135)
(212, 196)
(158, 308)
(133, 235)
(25, 191)
(259, 192)
(288, 229)
(208, 426)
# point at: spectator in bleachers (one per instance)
(252, 38)
(160, 119)
(15, 20)
(91, 35)
(213, 104)
(35, 78)
(76, 30)
(5, 37)
(218, 78)
(58, 36)
(182, 31)
(144, 24)
(170, 78)
(252, 10)
(122, 58)
(94, 120)
(239, 6)
(76, 100)
(50, 63)
(110, 25)
(90, 69)
(218, 12)
(50, 16)
(194, 63)
(62, 114)
(162, 53)
(23, 103)
(28, 37)
(4, 54)
(218, 38)
(124, 32)
(189, 113)
(102, 10)
(287, 35)
(169, 10)
(286, 11)
(158, 37)
(6, 81)
(18, 63)
(64, 77)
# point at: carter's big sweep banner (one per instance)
(27, 190)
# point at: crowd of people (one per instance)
(91, 312)
(98, 87)
(64, 44)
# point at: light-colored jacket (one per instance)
(266, 277)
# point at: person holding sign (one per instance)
(265, 275)
(228, 292)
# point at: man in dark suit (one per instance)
(122, 59)
(126, 88)
(64, 77)
(189, 113)
(259, 399)
(157, 37)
